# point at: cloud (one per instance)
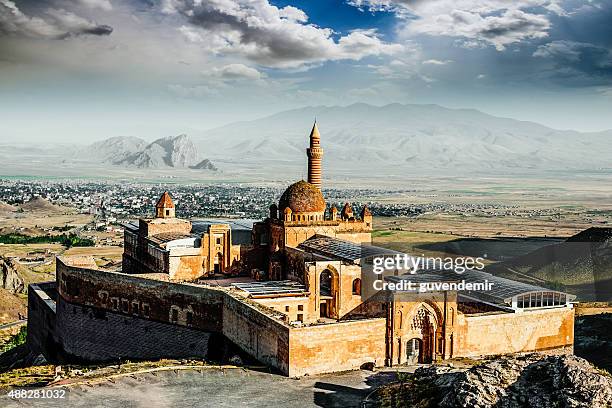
(97, 4)
(235, 72)
(436, 62)
(582, 61)
(56, 23)
(269, 35)
(495, 22)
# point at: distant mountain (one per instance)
(168, 152)
(116, 149)
(398, 138)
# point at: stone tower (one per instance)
(164, 207)
(315, 154)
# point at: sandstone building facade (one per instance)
(297, 295)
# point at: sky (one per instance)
(83, 70)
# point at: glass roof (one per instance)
(343, 250)
(502, 291)
(269, 288)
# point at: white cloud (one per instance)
(269, 35)
(496, 22)
(436, 62)
(56, 23)
(97, 4)
(234, 72)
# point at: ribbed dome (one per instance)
(302, 197)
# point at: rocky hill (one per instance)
(410, 138)
(532, 380)
(581, 265)
(205, 165)
(115, 149)
(5, 208)
(168, 152)
(39, 204)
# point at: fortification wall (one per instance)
(105, 316)
(94, 334)
(536, 330)
(336, 347)
(258, 334)
(41, 319)
(166, 302)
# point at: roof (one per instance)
(302, 197)
(166, 237)
(272, 288)
(314, 133)
(343, 250)
(165, 201)
(241, 229)
(501, 293)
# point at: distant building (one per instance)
(294, 291)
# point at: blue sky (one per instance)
(81, 70)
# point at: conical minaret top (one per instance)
(315, 154)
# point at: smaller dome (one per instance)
(302, 197)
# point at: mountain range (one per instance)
(418, 138)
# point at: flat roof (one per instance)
(272, 288)
(165, 237)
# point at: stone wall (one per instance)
(336, 347)
(259, 335)
(41, 319)
(503, 333)
(94, 334)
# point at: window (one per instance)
(135, 307)
(286, 308)
(174, 316)
(300, 307)
(125, 305)
(167, 212)
(189, 319)
(145, 310)
(300, 317)
(115, 302)
(218, 241)
(357, 287)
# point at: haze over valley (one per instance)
(361, 141)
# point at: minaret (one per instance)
(314, 153)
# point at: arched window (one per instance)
(357, 287)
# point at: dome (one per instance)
(302, 197)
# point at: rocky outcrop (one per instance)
(204, 165)
(9, 278)
(167, 152)
(532, 380)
